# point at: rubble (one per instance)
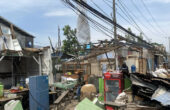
(97, 73)
(162, 95)
(151, 88)
(122, 98)
(162, 73)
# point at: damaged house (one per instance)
(18, 57)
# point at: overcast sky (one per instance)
(42, 17)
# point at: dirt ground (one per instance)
(72, 105)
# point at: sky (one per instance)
(41, 18)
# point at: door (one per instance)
(112, 89)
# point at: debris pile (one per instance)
(162, 73)
(153, 88)
(122, 98)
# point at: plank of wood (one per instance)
(50, 93)
(114, 104)
(8, 99)
(1, 32)
(61, 97)
(12, 31)
(32, 49)
(134, 106)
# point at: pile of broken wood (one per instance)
(156, 90)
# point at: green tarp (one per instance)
(65, 85)
(101, 89)
(86, 104)
(127, 83)
(13, 105)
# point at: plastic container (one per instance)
(101, 89)
(13, 105)
(22, 82)
(133, 68)
(1, 90)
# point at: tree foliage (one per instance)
(128, 36)
(71, 43)
(141, 37)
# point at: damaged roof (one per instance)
(16, 28)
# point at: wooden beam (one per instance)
(61, 97)
(1, 32)
(99, 53)
(2, 58)
(12, 31)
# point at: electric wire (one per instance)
(134, 24)
(135, 17)
(101, 16)
(95, 25)
(130, 20)
(154, 20)
(128, 15)
(148, 22)
(104, 18)
(99, 8)
(107, 20)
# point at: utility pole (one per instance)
(115, 32)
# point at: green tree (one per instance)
(70, 44)
(141, 37)
(128, 36)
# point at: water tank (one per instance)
(133, 68)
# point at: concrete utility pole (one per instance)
(115, 32)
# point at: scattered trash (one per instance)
(122, 98)
(162, 73)
(151, 88)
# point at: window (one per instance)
(5, 30)
(112, 89)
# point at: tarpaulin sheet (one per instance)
(86, 104)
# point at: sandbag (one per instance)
(89, 91)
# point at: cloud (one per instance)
(60, 12)
(22, 5)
